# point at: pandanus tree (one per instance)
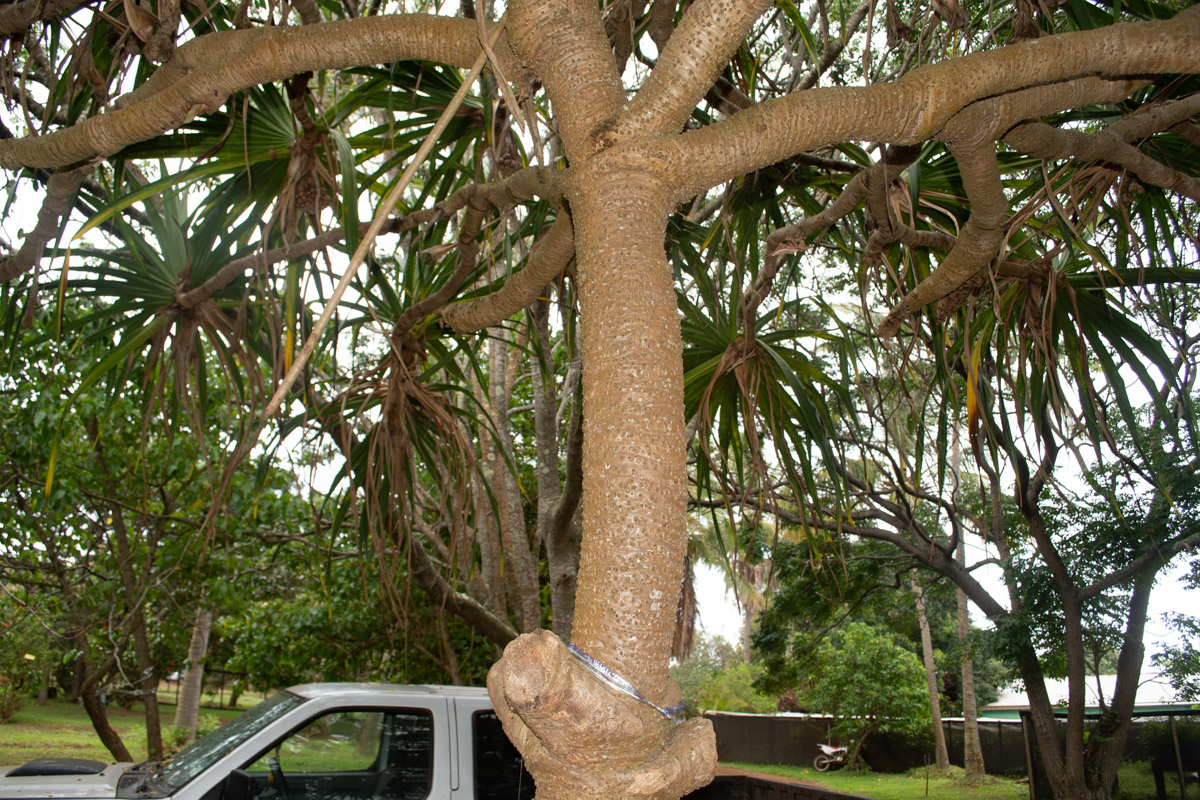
(564, 178)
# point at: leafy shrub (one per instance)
(175, 737)
(715, 678)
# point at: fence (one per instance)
(1161, 758)
(793, 739)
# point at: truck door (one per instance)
(492, 768)
(352, 754)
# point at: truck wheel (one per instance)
(822, 762)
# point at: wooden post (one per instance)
(1178, 759)
(1028, 756)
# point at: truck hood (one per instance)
(102, 784)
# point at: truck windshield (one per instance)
(205, 752)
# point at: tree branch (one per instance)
(546, 261)
(564, 42)
(917, 106)
(250, 58)
(16, 18)
(707, 37)
(1045, 141)
(60, 192)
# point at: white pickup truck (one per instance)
(332, 741)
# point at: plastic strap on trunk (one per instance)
(608, 676)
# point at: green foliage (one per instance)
(1155, 736)
(869, 684)
(341, 632)
(18, 667)
(1180, 661)
(824, 585)
(1096, 535)
(717, 678)
(120, 482)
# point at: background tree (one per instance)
(823, 590)
(1181, 662)
(19, 667)
(104, 554)
(716, 676)
(869, 685)
(191, 684)
(941, 754)
(1078, 576)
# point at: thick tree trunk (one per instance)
(187, 713)
(941, 754)
(634, 507)
(581, 738)
(635, 498)
(972, 751)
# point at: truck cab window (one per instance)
(350, 755)
(500, 772)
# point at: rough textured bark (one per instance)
(941, 755)
(634, 542)
(919, 105)
(216, 66)
(549, 258)
(187, 712)
(17, 17)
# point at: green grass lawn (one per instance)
(903, 786)
(63, 729)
